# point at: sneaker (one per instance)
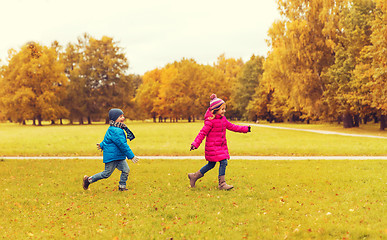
(86, 182)
(122, 189)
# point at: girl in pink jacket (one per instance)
(214, 129)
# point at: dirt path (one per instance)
(285, 158)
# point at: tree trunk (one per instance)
(383, 122)
(81, 121)
(39, 121)
(347, 120)
(52, 122)
(375, 118)
(88, 120)
(339, 119)
(365, 119)
(356, 120)
(154, 117)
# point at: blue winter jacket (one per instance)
(114, 145)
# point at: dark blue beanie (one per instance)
(114, 113)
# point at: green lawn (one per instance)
(175, 139)
(367, 129)
(43, 199)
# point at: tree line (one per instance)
(326, 62)
(78, 82)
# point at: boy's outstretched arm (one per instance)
(135, 159)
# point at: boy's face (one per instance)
(121, 118)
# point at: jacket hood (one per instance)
(210, 116)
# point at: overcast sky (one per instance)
(151, 32)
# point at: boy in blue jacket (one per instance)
(115, 151)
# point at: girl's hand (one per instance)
(99, 147)
(192, 147)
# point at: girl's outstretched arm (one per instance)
(236, 128)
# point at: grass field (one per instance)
(175, 139)
(43, 199)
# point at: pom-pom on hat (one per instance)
(215, 102)
(114, 113)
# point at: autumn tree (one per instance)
(343, 94)
(33, 85)
(267, 104)
(76, 89)
(128, 89)
(230, 68)
(181, 90)
(59, 53)
(102, 66)
(301, 52)
(97, 72)
(168, 93)
(2, 107)
(246, 84)
(213, 80)
(147, 93)
(371, 72)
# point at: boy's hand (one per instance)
(99, 147)
(135, 159)
(192, 147)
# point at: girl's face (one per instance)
(121, 119)
(222, 110)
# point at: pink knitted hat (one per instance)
(215, 102)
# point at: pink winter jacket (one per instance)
(215, 132)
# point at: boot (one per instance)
(193, 177)
(223, 185)
(85, 182)
(122, 189)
